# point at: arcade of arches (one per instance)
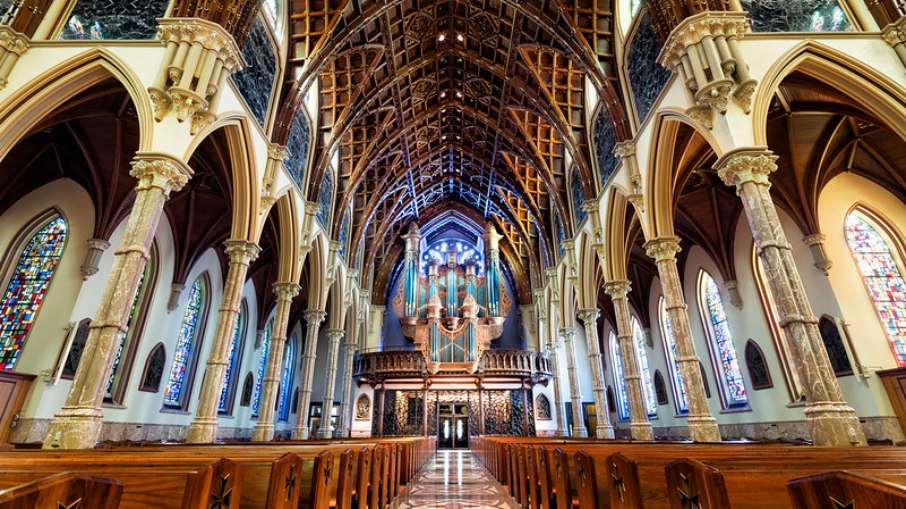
(669, 220)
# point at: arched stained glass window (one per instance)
(619, 378)
(638, 334)
(262, 366)
(289, 361)
(679, 387)
(877, 263)
(723, 349)
(180, 378)
(269, 7)
(27, 287)
(233, 361)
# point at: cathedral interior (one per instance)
(517, 240)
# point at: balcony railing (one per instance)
(411, 363)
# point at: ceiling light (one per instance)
(460, 38)
(442, 37)
(459, 94)
(443, 94)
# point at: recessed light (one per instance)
(460, 38)
(442, 37)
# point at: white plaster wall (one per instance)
(545, 426)
(362, 427)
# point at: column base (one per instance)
(263, 433)
(560, 433)
(604, 432)
(641, 431)
(580, 432)
(324, 434)
(704, 429)
(301, 433)
(833, 423)
(202, 432)
(74, 428)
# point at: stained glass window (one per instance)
(174, 395)
(619, 378)
(679, 387)
(289, 360)
(883, 279)
(27, 288)
(724, 350)
(262, 365)
(270, 12)
(132, 329)
(233, 360)
(634, 6)
(638, 334)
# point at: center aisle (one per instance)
(454, 480)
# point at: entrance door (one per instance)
(453, 426)
(445, 432)
(461, 432)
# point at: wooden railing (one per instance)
(515, 362)
(521, 363)
(886, 12)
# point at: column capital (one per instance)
(590, 206)
(589, 316)
(208, 34)
(335, 335)
(663, 248)
(312, 208)
(624, 149)
(691, 31)
(568, 334)
(163, 171)
(350, 347)
(277, 152)
(241, 251)
(617, 289)
(751, 164)
(314, 317)
(286, 291)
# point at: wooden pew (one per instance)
(586, 487)
(284, 486)
(623, 476)
(691, 483)
(841, 490)
(65, 490)
(363, 474)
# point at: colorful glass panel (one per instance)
(185, 345)
(232, 360)
(639, 335)
(270, 11)
(262, 365)
(289, 360)
(733, 384)
(619, 378)
(28, 287)
(670, 341)
(882, 277)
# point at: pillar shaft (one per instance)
(639, 425)
(78, 423)
(204, 428)
(702, 425)
(334, 336)
(313, 318)
(575, 390)
(555, 347)
(589, 318)
(831, 421)
(264, 429)
(345, 427)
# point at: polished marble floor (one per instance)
(454, 480)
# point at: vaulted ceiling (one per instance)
(428, 106)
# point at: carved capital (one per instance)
(618, 289)
(277, 152)
(312, 208)
(314, 317)
(746, 165)
(154, 170)
(691, 31)
(895, 33)
(286, 291)
(241, 251)
(13, 41)
(589, 316)
(624, 149)
(663, 248)
(211, 36)
(568, 334)
(335, 335)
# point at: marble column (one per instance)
(346, 407)
(589, 318)
(203, 429)
(575, 391)
(702, 425)
(334, 336)
(554, 348)
(830, 419)
(314, 318)
(78, 423)
(270, 386)
(639, 425)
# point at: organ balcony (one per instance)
(527, 365)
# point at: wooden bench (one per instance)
(842, 489)
(65, 490)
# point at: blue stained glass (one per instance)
(647, 78)
(270, 11)
(797, 16)
(325, 199)
(605, 141)
(733, 385)
(670, 340)
(262, 366)
(113, 19)
(619, 378)
(255, 81)
(232, 359)
(578, 198)
(185, 345)
(344, 234)
(286, 382)
(28, 287)
(297, 145)
(647, 383)
(882, 277)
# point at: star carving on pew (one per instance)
(290, 481)
(840, 505)
(687, 500)
(71, 505)
(617, 480)
(222, 500)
